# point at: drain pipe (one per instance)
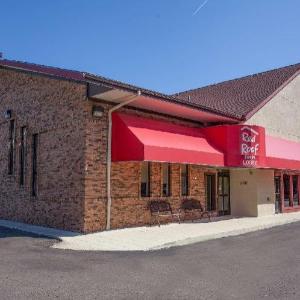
(108, 164)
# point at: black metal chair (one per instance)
(190, 206)
(162, 208)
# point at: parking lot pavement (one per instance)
(259, 265)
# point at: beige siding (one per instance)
(281, 115)
(252, 192)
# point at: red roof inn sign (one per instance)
(250, 144)
(242, 145)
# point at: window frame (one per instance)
(34, 165)
(187, 183)
(295, 200)
(23, 155)
(287, 189)
(12, 147)
(148, 183)
(213, 192)
(168, 191)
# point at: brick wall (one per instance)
(54, 109)
(128, 208)
(72, 160)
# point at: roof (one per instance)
(86, 77)
(242, 97)
(237, 99)
(41, 69)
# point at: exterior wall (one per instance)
(252, 192)
(55, 110)
(281, 114)
(243, 193)
(72, 163)
(128, 208)
(72, 160)
(266, 192)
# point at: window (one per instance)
(11, 145)
(295, 190)
(166, 186)
(23, 134)
(184, 180)
(145, 179)
(34, 164)
(277, 182)
(210, 191)
(286, 186)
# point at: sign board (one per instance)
(250, 146)
(243, 145)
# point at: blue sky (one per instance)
(159, 44)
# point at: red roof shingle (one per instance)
(237, 98)
(243, 96)
(86, 77)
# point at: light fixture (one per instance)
(8, 114)
(97, 111)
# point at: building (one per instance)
(85, 153)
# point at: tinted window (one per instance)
(145, 179)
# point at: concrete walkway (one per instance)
(153, 238)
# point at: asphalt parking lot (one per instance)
(260, 265)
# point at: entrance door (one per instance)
(223, 194)
(277, 194)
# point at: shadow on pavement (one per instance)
(11, 233)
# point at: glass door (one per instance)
(277, 194)
(224, 194)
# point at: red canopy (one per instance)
(140, 139)
(282, 154)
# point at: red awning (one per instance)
(141, 139)
(282, 154)
(243, 146)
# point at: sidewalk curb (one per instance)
(66, 237)
(194, 240)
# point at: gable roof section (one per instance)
(237, 99)
(80, 76)
(86, 77)
(244, 96)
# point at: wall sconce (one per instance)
(97, 111)
(8, 114)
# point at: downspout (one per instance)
(108, 166)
